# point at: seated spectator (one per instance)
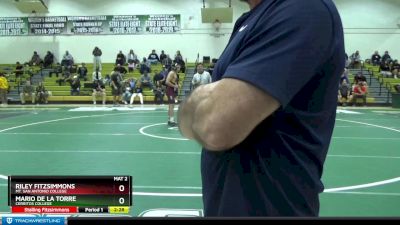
(67, 76)
(67, 60)
(386, 57)
(359, 77)
(57, 70)
(96, 75)
(28, 91)
(201, 77)
(48, 59)
(355, 59)
(344, 93)
(82, 72)
(145, 67)
(145, 80)
(153, 57)
(128, 91)
(132, 57)
(395, 68)
(376, 59)
(19, 70)
(162, 56)
(41, 94)
(3, 89)
(360, 91)
(385, 69)
(137, 91)
(159, 78)
(131, 66)
(121, 59)
(121, 69)
(346, 60)
(167, 62)
(99, 90)
(75, 86)
(107, 80)
(35, 60)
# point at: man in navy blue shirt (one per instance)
(267, 120)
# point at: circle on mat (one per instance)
(162, 131)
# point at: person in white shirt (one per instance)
(96, 75)
(201, 77)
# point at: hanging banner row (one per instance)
(90, 25)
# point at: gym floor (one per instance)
(361, 176)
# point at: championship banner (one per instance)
(90, 25)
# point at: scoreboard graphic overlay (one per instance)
(70, 194)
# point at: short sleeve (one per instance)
(285, 49)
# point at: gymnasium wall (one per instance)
(369, 25)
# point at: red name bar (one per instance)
(55, 209)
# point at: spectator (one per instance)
(153, 57)
(376, 58)
(162, 56)
(82, 72)
(97, 58)
(355, 59)
(179, 60)
(159, 88)
(116, 85)
(138, 91)
(159, 78)
(346, 60)
(96, 75)
(359, 77)
(395, 68)
(42, 94)
(121, 59)
(385, 69)
(145, 66)
(145, 80)
(3, 89)
(28, 91)
(35, 60)
(75, 86)
(128, 91)
(132, 57)
(99, 90)
(386, 57)
(121, 70)
(48, 59)
(131, 66)
(167, 62)
(66, 77)
(344, 93)
(345, 76)
(360, 91)
(19, 70)
(57, 70)
(67, 60)
(201, 77)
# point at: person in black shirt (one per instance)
(264, 150)
(116, 85)
(162, 56)
(48, 59)
(99, 90)
(75, 86)
(121, 59)
(19, 70)
(376, 59)
(82, 71)
(153, 57)
(386, 57)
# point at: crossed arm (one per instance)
(221, 115)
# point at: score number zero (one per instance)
(121, 188)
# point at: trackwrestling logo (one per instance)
(9, 220)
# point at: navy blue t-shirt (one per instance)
(293, 50)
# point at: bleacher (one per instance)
(61, 94)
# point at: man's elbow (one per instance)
(216, 140)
